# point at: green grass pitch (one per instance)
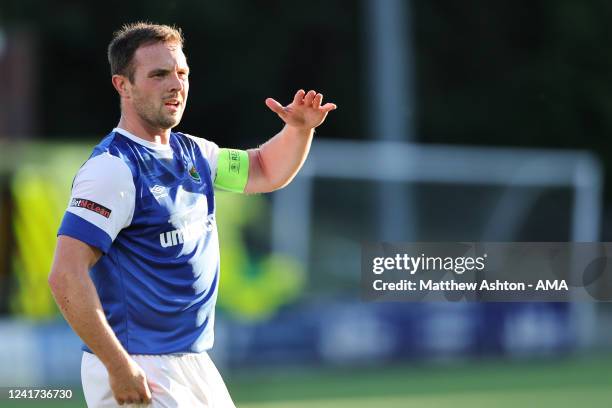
(562, 383)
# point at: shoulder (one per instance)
(208, 149)
(112, 157)
(108, 165)
(206, 146)
(105, 166)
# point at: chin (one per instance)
(171, 123)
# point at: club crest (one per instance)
(195, 176)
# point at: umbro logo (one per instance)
(158, 191)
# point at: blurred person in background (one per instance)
(136, 267)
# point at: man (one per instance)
(136, 267)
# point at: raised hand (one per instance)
(305, 111)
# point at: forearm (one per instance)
(280, 158)
(78, 301)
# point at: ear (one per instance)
(121, 85)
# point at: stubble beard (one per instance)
(156, 117)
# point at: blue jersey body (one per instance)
(150, 210)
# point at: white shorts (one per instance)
(176, 380)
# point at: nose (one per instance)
(177, 84)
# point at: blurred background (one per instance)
(457, 121)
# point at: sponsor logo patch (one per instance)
(91, 206)
(189, 233)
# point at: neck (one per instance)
(145, 131)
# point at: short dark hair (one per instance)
(132, 36)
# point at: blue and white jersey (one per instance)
(150, 209)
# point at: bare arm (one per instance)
(78, 301)
(274, 164)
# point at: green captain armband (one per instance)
(232, 170)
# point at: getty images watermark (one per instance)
(460, 271)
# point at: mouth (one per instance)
(172, 104)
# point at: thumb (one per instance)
(275, 106)
(147, 388)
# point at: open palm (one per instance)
(305, 111)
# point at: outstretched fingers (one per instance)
(316, 103)
(318, 100)
(275, 106)
(306, 109)
(309, 98)
(298, 99)
(328, 107)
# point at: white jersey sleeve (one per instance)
(101, 203)
(210, 150)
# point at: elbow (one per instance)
(53, 281)
(59, 288)
(269, 177)
(278, 184)
(56, 281)
(275, 184)
(275, 179)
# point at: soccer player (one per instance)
(136, 267)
